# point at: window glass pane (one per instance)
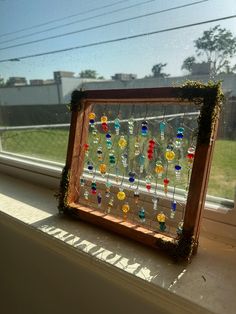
(36, 131)
(110, 44)
(223, 173)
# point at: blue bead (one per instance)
(179, 135)
(173, 206)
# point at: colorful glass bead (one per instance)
(82, 181)
(99, 199)
(104, 119)
(131, 177)
(173, 209)
(178, 172)
(103, 169)
(179, 137)
(125, 208)
(112, 158)
(159, 169)
(141, 215)
(90, 167)
(86, 149)
(117, 126)
(95, 136)
(110, 204)
(108, 186)
(179, 229)
(144, 128)
(136, 196)
(122, 142)
(155, 201)
(93, 187)
(148, 182)
(170, 155)
(161, 218)
(105, 127)
(162, 127)
(108, 141)
(150, 152)
(104, 123)
(190, 155)
(121, 195)
(131, 126)
(99, 153)
(86, 194)
(137, 150)
(92, 117)
(141, 163)
(166, 182)
(124, 160)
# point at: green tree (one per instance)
(188, 63)
(91, 74)
(157, 70)
(217, 46)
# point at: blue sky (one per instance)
(133, 56)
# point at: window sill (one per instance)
(48, 174)
(152, 276)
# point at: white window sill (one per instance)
(192, 288)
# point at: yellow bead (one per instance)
(103, 168)
(161, 217)
(159, 169)
(122, 142)
(92, 116)
(121, 195)
(125, 208)
(170, 155)
(104, 119)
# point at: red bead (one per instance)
(150, 151)
(86, 146)
(150, 156)
(148, 186)
(93, 191)
(166, 181)
(190, 156)
(152, 142)
(104, 126)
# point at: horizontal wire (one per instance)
(78, 21)
(99, 43)
(63, 18)
(103, 25)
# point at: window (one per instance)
(36, 84)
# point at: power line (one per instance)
(103, 25)
(118, 39)
(64, 18)
(78, 21)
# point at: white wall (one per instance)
(228, 84)
(61, 93)
(29, 95)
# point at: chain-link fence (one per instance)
(47, 142)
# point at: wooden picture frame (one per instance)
(207, 99)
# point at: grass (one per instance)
(51, 145)
(223, 171)
(45, 144)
